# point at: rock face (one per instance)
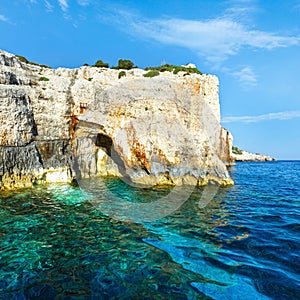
(248, 156)
(57, 125)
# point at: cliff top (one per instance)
(124, 67)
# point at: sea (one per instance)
(109, 239)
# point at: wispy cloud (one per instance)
(63, 4)
(240, 10)
(246, 77)
(49, 6)
(214, 39)
(285, 115)
(83, 2)
(3, 18)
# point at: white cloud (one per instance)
(285, 115)
(215, 39)
(246, 77)
(3, 18)
(63, 4)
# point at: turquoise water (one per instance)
(64, 242)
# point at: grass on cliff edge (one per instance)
(175, 69)
(126, 64)
(26, 61)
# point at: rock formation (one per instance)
(61, 124)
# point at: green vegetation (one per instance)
(26, 61)
(174, 69)
(42, 66)
(236, 150)
(151, 73)
(101, 64)
(22, 59)
(121, 74)
(43, 79)
(124, 64)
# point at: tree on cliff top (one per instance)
(125, 64)
(100, 64)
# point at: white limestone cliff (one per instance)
(248, 156)
(61, 124)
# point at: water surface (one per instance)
(62, 242)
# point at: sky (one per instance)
(252, 46)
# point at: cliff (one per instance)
(57, 125)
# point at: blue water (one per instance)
(91, 241)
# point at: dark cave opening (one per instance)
(105, 142)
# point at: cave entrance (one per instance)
(105, 142)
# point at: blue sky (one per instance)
(252, 46)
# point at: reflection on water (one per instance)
(63, 242)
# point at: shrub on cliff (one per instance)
(188, 70)
(43, 79)
(236, 150)
(100, 64)
(121, 74)
(163, 68)
(124, 64)
(151, 73)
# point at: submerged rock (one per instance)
(61, 124)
